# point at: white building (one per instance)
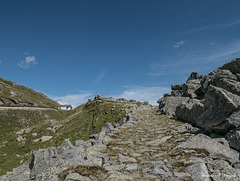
(66, 107)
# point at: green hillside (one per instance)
(21, 131)
(12, 94)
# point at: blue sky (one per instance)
(74, 49)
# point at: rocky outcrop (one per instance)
(169, 104)
(15, 102)
(226, 80)
(211, 101)
(199, 172)
(15, 95)
(213, 113)
(48, 163)
(180, 93)
(214, 148)
(20, 173)
(233, 138)
(233, 66)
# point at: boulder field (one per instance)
(211, 101)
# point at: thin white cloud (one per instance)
(139, 93)
(221, 54)
(214, 26)
(170, 68)
(161, 69)
(179, 44)
(0, 61)
(28, 62)
(100, 76)
(73, 99)
(196, 60)
(230, 24)
(26, 53)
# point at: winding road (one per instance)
(26, 108)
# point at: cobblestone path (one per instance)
(145, 150)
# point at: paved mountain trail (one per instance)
(145, 146)
(146, 150)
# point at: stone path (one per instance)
(146, 146)
(155, 147)
(145, 149)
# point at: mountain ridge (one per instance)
(12, 94)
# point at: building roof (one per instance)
(66, 106)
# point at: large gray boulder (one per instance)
(76, 177)
(199, 172)
(226, 80)
(46, 164)
(177, 87)
(189, 110)
(194, 76)
(177, 90)
(233, 138)
(168, 105)
(190, 88)
(20, 173)
(234, 119)
(214, 112)
(233, 66)
(180, 93)
(215, 149)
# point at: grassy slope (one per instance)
(11, 121)
(88, 120)
(25, 94)
(77, 124)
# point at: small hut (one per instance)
(66, 107)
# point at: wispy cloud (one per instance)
(230, 24)
(220, 55)
(26, 53)
(0, 61)
(214, 26)
(139, 93)
(100, 76)
(199, 60)
(73, 99)
(179, 44)
(28, 62)
(171, 68)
